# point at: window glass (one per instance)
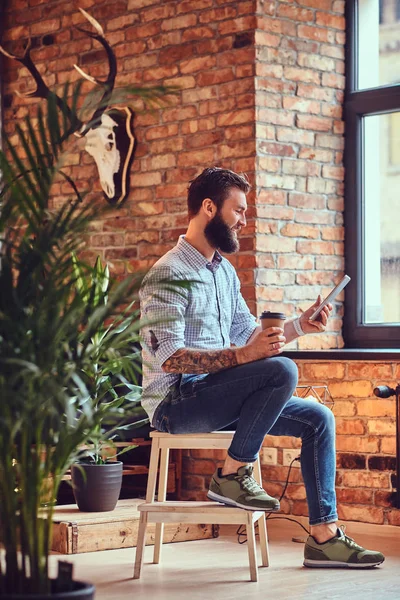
(379, 43)
(381, 205)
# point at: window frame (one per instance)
(357, 105)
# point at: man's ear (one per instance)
(209, 207)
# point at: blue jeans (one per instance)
(255, 399)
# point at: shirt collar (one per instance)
(197, 259)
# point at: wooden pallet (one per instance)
(75, 531)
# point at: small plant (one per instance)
(112, 366)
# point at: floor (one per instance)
(218, 569)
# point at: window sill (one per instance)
(377, 355)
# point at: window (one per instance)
(372, 113)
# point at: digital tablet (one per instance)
(330, 298)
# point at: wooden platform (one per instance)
(75, 531)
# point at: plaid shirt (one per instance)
(209, 313)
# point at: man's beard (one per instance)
(220, 235)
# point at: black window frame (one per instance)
(357, 105)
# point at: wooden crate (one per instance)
(75, 531)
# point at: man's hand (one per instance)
(264, 344)
(320, 322)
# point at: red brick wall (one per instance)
(299, 137)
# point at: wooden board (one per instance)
(75, 532)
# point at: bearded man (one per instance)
(208, 365)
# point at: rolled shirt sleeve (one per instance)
(163, 301)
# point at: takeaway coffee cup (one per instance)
(272, 319)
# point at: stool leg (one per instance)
(262, 524)
(150, 491)
(251, 547)
(161, 496)
(153, 467)
(141, 542)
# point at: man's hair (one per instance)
(214, 183)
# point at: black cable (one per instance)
(241, 530)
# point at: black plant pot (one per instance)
(80, 591)
(96, 487)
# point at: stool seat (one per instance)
(207, 512)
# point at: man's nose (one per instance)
(242, 221)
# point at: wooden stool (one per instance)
(161, 512)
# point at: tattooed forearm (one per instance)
(200, 361)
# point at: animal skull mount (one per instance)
(110, 137)
(112, 145)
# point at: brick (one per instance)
(330, 21)
(315, 248)
(269, 163)
(344, 408)
(179, 114)
(351, 461)
(270, 293)
(314, 123)
(367, 479)
(247, 23)
(304, 75)
(276, 212)
(271, 277)
(235, 118)
(107, 239)
(301, 105)
(332, 233)
(295, 14)
(388, 445)
(147, 179)
(345, 443)
(355, 496)
(329, 263)
(324, 371)
(333, 80)
(316, 33)
(181, 22)
(365, 514)
(277, 117)
(305, 90)
(393, 517)
(385, 499)
(315, 61)
(314, 201)
(264, 38)
(295, 262)
(287, 182)
(198, 64)
(320, 4)
(295, 135)
(301, 167)
(300, 231)
(277, 149)
(382, 426)
(272, 243)
(382, 463)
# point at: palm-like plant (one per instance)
(47, 328)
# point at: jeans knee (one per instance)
(287, 371)
(326, 418)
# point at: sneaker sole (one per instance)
(332, 564)
(230, 502)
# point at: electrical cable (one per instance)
(241, 530)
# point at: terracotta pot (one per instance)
(96, 487)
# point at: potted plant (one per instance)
(110, 376)
(46, 329)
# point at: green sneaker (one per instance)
(340, 551)
(241, 490)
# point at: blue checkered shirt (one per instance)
(209, 313)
